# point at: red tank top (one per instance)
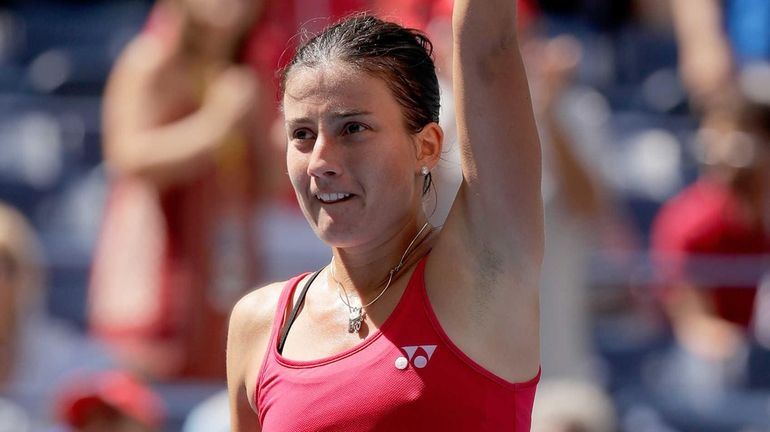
(406, 376)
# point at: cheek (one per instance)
(296, 165)
(395, 175)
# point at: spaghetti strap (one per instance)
(294, 310)
(280, 311)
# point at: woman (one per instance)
(407, 328)
(176, 250)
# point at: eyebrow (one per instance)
(334, 116)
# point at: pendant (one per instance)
(355, 319)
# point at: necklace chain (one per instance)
(357, 313)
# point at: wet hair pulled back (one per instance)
(398, 55)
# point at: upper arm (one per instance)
(499, 205)
(247, 341)
(125, 111)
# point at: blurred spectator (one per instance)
(717, 39)
(712, 244)
(111, 401)
(578, 220)
(181, 130)
(576, 210)
(36, 352)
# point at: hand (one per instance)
(711, 338)
(231, 99)
(553, 63)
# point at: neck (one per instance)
(364, 273)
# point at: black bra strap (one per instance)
(295, 311)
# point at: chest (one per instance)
(394, 382)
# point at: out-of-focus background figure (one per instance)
(711, 243)
(180, 141)
(109, 401)
(645, 107)
(37, 352)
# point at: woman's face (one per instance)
(352, 162)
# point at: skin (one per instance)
(156, 126)
(8, 318)
(483, 271)
(705, 56)
(20, 284)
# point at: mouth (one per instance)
(333, 198)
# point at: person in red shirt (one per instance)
(181, 123)
(408, 327)
(711, 242)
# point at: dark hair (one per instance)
(400, 56)
(755, 117)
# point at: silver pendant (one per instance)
(355, 319)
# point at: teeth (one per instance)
(332, 197)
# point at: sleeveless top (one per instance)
(408, 375)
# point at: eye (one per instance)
(353, 128)
(302, 134)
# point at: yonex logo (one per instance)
(418, 355)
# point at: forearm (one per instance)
(485, 25)
(500, 149)
(705, 58)
(698, 328)
(167, 154)
(697, 26)
(579, 189)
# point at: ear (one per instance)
(428, 144)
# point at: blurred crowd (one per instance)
(143, 191)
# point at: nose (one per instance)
(325, 159)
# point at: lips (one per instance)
(334, 197)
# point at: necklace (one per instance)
(357, 314)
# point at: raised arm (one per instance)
(483, 274)
(500, 199)
(705, 60)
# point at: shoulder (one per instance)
(250, 327)
(145, 52)
(253, 314)
(144, 58)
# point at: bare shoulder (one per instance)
(251, 323)
(142, 67)
(252, 316)
(144, 53)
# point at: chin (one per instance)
(337, 234)
(334, 237)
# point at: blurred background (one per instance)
(655, 121)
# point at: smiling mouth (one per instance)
(333, 198)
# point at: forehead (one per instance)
(336, 87)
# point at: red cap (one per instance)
(116, 389)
